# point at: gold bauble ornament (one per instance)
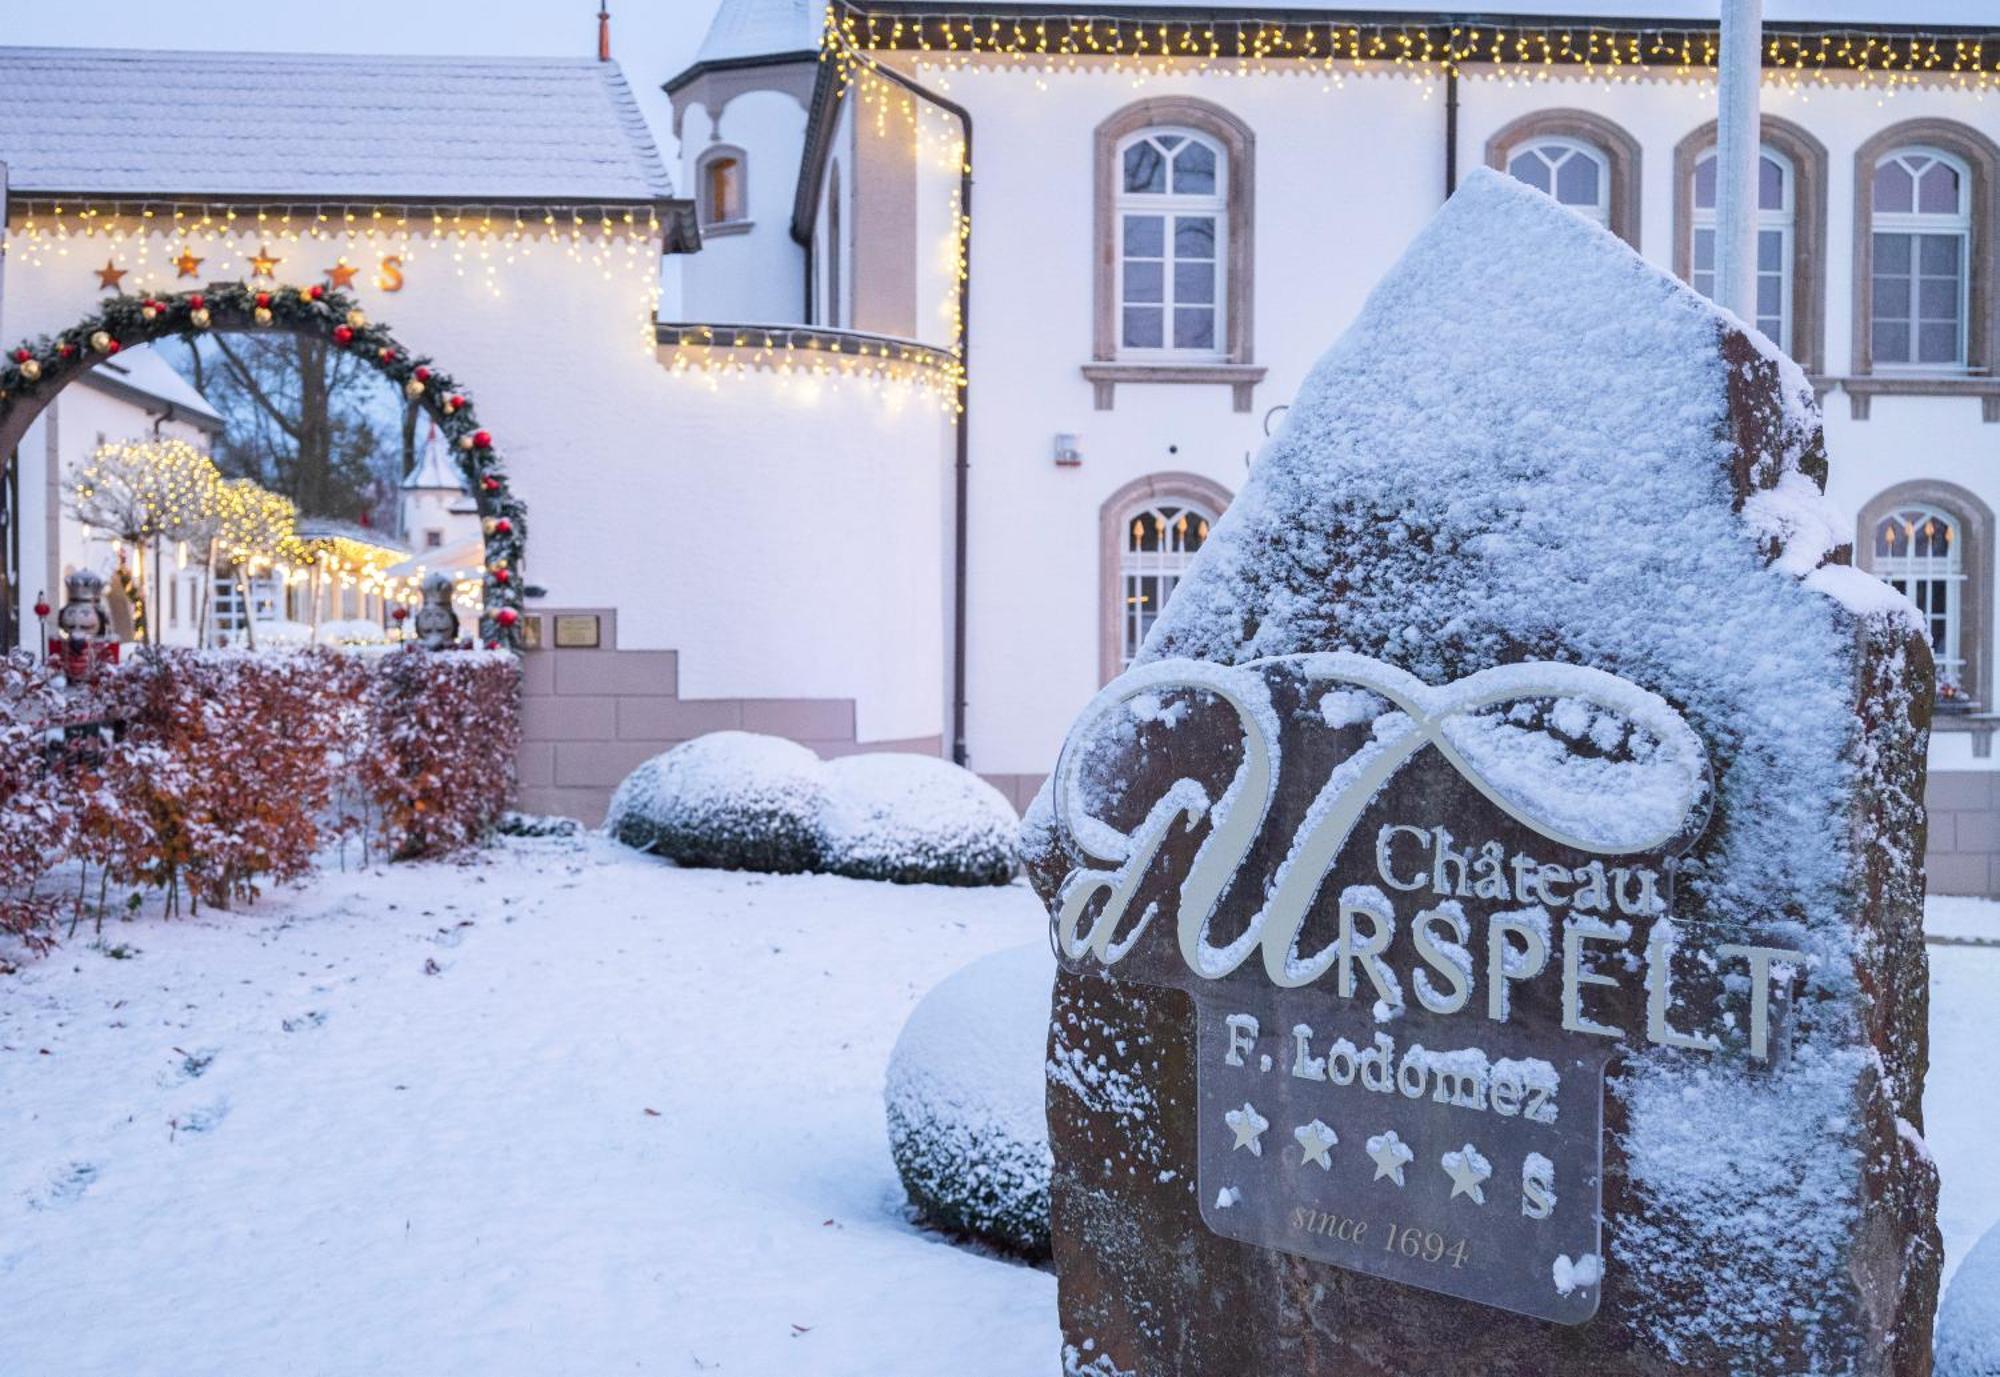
(262, 315)
(200, 317)
(357, 319)
(31, 369)
(100, 340)
(465, 442)
(148, 313)
(413, 389)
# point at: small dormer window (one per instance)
(720, 184)
(433, 539)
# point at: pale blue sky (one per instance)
(652, 39)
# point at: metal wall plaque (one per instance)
(1418, 923)
(577, 631)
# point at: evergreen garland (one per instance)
(31, 374)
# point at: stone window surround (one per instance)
(1976, 531)
(1620, 150)
(1983, 323)
(1808, 158)
(1144, 491)
(711, 228)
(1236, 369)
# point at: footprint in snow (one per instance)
(202, 1119)
(65, 1186)
(311, 1018)
(189, 1064)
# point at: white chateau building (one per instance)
(974, 317)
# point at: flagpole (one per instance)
(1736, 156)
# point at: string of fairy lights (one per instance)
(1332, 46)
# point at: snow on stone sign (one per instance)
(1488, 912)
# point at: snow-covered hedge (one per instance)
(1968, 1327)
(733, 800)
(740, 801)
(968, 1125)
(915, 819)
(228, 770)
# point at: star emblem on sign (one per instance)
(342, 274)
(110, 275)
(262, 264)
(1467, 1170)
(1248, 1126)
(1314, 1140)
(1391, 1154)
(187, 265)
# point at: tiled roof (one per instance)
(559, 131)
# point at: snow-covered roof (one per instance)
(1895, 13)
(761, 28)
(434, 468)
(141, 375)
(101, 122)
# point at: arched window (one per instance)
(1581, 159)
(1152, 529)
(1933, 542)
(1573, 172)
(1920, 241)
(1174, 218)
(1777, 223)
(1173, 200)
(1160, 541)
(721, 188)
(1919, 553)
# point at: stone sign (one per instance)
(1417, 924)
(1489, 912)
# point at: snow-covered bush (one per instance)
(214, 772)
(732, 800)
(916, 819)
(968, 1125)
(740, 801)
(1968, 1327)
(439, 746)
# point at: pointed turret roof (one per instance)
(435, 470)
(744, 29)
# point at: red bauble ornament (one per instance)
(503, 527)
(22, 356)
(342, 335)
(113, 347)
(387, 355)
(68, 351)
(263, 298)
(423, 375)
(453, 402)
(501, 576)
(506, 616)
(315, 291)
(490, 484)
(41, 609)
(482, 439)
(197, 302)
(400, 613)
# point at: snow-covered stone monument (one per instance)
(1489, 911)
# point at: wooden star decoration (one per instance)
(342, 274)
(262, 264)
(187, 264)
(109, 276)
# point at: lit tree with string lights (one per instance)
(144, 493)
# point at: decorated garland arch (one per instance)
(32, 374)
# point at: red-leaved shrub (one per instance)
(216, 772)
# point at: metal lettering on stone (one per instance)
(1418, 923)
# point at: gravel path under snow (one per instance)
(277, 1141)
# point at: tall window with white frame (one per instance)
(1160, 541)
(1777, 222)
(1920, 249)
(1575, 173)
(1172, 204)
(1917, 552)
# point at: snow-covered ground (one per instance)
(564, 1110)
